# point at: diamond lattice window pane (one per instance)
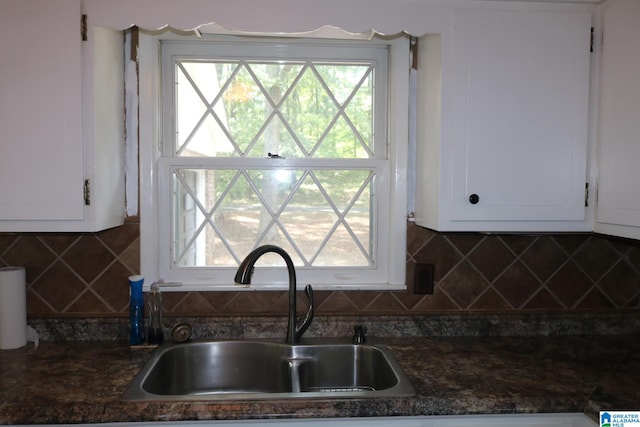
(191, 111)
(315, 198)
(276, 77)
(309, 110)
(343, 186)
(276, 138)
(274, 186)
(342, 137)
(360, 220)
(200, 124)
(342, 80)
(231, 108)
(342, 250)
(360, 112)
(222, 214)
(309, 217)
(245, 106)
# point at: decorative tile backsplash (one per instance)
(85, 275)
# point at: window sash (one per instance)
(321, 277)
(373, 54)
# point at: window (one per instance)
(276, 141)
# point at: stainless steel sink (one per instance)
(224, 370)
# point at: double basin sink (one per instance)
(225, 370)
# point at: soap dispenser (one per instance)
(136, 311)
(155, 334)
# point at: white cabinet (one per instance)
(61, 117)
(508, 151)
(618, 207)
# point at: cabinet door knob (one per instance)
(474, 199)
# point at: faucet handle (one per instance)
(305, 322)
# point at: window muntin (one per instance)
(351, 213)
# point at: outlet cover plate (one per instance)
(423, 278)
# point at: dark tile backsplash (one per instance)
(85, 275)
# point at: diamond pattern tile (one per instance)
(130, 257)
(441, 253)
(386, 302)
(596, 257)
(193, 302)
(543, 300)
(438, 302)
(465, 242)
(620, 284)
(7, 240)
(517, 284)
(172, 300)
(417, 237)
(409, 300)
(59, 242)
(464, 285)
(217, 300)
(120, 238)
(335, 303)
(59, 287)
(29, 251)
(544, 257)
(86, 303)
(571, 242)
(36, 304)
(633, 257)
(518, 243)
(78, 274)
(595, 300)
(491, 257)
(569, 284)
(108, 288)
(490, 300)
(88, 257)
(363, 299)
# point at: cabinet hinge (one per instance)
(83, 28)
(586, 194)
(592, 40)
(87, 192)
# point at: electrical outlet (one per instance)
(423, 278)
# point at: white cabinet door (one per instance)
(62, 120)
(513, 150)
(618, 209)
(40, 111)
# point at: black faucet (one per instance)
(295, 329)
(359, 336)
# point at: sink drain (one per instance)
(181, 332)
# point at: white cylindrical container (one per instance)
(13, 308)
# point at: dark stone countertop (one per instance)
(82, 382)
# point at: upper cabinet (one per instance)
(503, 130)
(61, 115)
(618, 207)
(502, 106)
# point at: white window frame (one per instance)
(390, 270)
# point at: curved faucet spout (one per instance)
(243, 276)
